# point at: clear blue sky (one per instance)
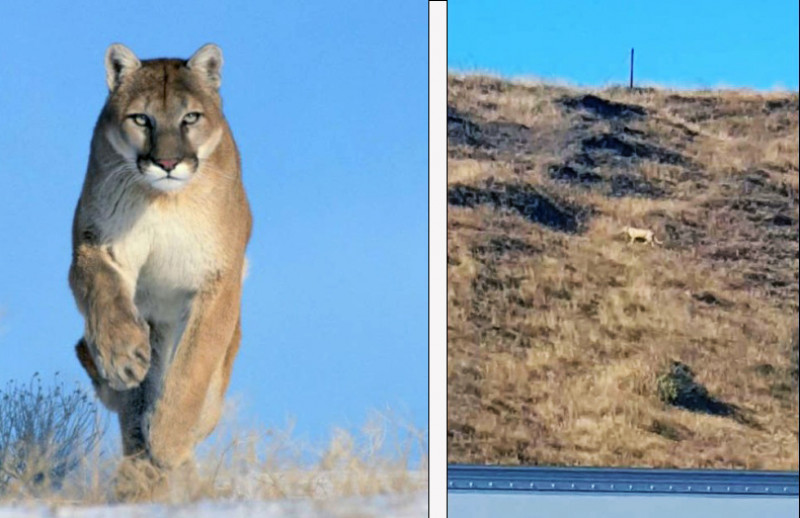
(703, 43)
(328, 104)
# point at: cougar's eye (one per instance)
(140, 119)
(191, 117)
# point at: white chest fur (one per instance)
(165, 254)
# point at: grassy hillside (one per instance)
(569, 346)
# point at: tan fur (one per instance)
(159, 237)
(641, 233)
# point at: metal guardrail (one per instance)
(635, 481)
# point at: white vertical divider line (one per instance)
(437, 259)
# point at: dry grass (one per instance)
(46, 432)
(558, 330)
(385, 457)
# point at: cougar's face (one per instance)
(164, 124)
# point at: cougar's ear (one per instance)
(207, 62)
(120, 62)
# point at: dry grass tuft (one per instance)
(558, 334)
(382, 458)
(46, 432)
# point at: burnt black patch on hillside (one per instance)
(574, 173)
(628, 185)
(581, 170)
(609, 160)
(616, 185)
(760, 205)
(461, 129)
(790, 105)
(504, 245)
(507, 138)
(630, 148)
(604, 108)
(711, 299)
(521, 198)
(782, 220)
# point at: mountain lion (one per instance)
(634, 234)
(158, 244)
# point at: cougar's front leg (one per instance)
(176, 424)
(130, 405)
(117, 338)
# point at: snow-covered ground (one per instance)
(412, 505)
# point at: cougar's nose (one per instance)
(167, 164)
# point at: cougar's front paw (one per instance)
(122, 352)
(138, 479)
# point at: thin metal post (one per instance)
(631, 84)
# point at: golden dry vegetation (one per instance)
(43, 465)
(562, 337)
